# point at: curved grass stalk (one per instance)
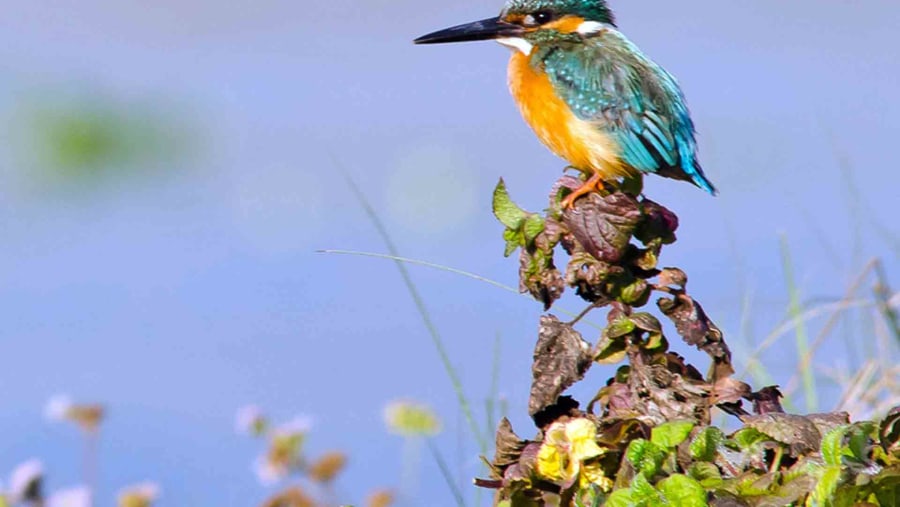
(448, 269)
(407, 260)
(436, 339)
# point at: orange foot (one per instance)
(591, 185)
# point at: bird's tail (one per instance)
(697, 177)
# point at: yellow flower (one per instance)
(565, 449)
(284, 453)
(139, 495)
(592, 473)
(410, 419)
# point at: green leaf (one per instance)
(887, 487)
(620, 498)
(706, 444)
(671, 434)
(619, 328)
(707, 474)
(534, 225)
(831, 445)
(683, 491)
(506, 211)
(656, 341)
(643, 493)
(645, 456)
(748, 438)
(648, 259)
(611, 351)
(635, 293)
(828, 483)
(514, 239)
(861, 435)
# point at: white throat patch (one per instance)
(517, 43)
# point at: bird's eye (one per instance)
(537, 18)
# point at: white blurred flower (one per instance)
(58, 407)
(299, 425)
(249, 420)
(87, 416)
(78, 496)
(24, 482)
(284, 454)
(269, 472)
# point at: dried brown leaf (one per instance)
(508, 448)
(673, 278)
(517, 476)
(539, 277)
(697, 329)
(766, 401)
(618, 433)
(798, 432)
(665, 396)
(889, 430)
(646, 322)
(617, 401)
(829, 421)
(588, 276)
(729, 390)
(677, 364)
(561, 358)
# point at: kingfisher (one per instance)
(591, 96)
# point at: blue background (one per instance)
(177, 287)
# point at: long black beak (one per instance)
(491, 28)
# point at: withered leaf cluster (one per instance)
(646, 437)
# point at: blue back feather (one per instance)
(606, 80)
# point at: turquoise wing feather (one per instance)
(607, 81)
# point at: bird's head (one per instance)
(524, 23)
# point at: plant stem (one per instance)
(795, 310)
(89, 471)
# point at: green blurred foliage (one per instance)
(95, 137)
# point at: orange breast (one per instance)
(585, 146)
